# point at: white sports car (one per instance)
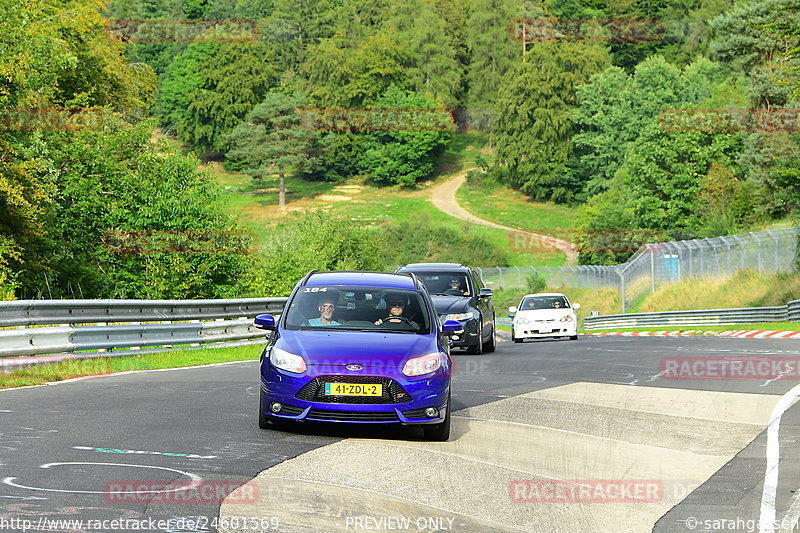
(544, 315)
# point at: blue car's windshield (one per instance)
(358, 308)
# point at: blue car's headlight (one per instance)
(423, 365)
(287, 361)
(460, 316)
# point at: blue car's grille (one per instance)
(313, 391)
(352, 416)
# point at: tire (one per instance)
(491, 344)
(263, 420)
(478, 348)
(573, 337)
(513, 338)
(439, 432)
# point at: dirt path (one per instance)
(443, 197)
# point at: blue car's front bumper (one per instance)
(405, 399)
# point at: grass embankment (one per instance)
(41, 374)
(745, 289)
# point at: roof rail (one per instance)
(305, 278)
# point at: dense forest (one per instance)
(679, 118)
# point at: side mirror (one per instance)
(265, 322)
(452, 327)
(576, 306)
(485, 293)
(512, 309)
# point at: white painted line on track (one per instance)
(587, 435)
(767, 518)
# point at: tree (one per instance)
(403, 156)
(492, 54)
(272, 137)
(744, 40)
(664, 171)
(614, 107)
(534, 129)
(233, 82)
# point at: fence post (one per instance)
(622, 287)
(500, 272)
(652, 268)
(519, 278)
(758, 244)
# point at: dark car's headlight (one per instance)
(287, 361)
(460, 316)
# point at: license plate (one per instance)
(354, 389)
(545, 330)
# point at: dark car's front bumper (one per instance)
(470, 337)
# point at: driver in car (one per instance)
(455, 287)
(396, 306)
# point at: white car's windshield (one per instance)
(543, 302)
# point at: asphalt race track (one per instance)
(562, 436)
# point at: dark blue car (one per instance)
(358, 347)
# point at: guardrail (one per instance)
(706, 317)
(95, 325)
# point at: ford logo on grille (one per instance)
(354, 367)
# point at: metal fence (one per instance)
(654, 264)
(705, 317)
(98, 325)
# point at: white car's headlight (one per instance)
(460, 316)
(423, 365)
(287, 361)
(523, 321)
(566, 318)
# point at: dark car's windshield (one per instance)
(445, 283)
(543, 302)
(358, 308)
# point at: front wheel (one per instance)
(478, 348)
(573, 337)
(490, 345)
(439, 432)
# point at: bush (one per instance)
(315, 241)
(425, 241)
(535, 282)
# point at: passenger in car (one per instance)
(327, 307)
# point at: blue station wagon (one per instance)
(358, 347)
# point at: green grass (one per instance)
(41, 374)
(770, 326)
(462, 151)
(513, 209)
